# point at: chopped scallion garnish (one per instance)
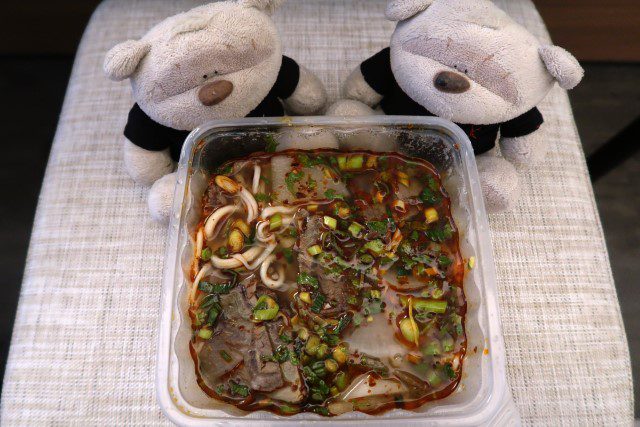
(275, 222)
(314, 250)
(330, 222)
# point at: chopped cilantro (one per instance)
(291, 178)
(448, 369)
(205, 255)
(432, 183)
(238, 389)
(401, 272)
(261, 197)
(429, 196)
(321, 410)
(445, 261)
(288, 254)
(215, 288)
(312, 183)
(285, 338)
(271, 144)
(440, 234)
(224, 169)
(332, 195)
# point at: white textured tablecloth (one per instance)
(84, 343)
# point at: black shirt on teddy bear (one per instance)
(378, 74)
(146, 133)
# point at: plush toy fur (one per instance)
(186, 55)
(500, 72)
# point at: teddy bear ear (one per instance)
(563, 66)
(267, 6)
(123, 59)
(399, 10)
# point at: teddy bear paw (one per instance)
(525, 150)
(349, 107)
(499, 182)
(160, 200)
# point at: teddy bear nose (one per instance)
(450, 82)
(215, 92)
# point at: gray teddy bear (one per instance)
(222, 60)
(466, 61)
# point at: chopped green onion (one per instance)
(354, 163)
(432, 306)
(307, 279)
(355, 229)
(332, 195)
(366, 259)
(471, 263)
(342, 162)
(275, 222)
(205, 334)
(433, 378)
(318, 302)
(375, 246)
(432, 349)
(447, 343)
(321, 352)
(314, 250)
(312, 345)
(330, 222)
(331, 365)
(205, 255)
(266, 314)
(266, 309)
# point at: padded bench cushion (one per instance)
(84, 343)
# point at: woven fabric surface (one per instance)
(84, 343)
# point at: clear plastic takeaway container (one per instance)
(482, 397)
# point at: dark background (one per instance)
(38, 40)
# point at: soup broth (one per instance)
(327, 281)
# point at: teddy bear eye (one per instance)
(204, 77)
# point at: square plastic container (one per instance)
(483, 395)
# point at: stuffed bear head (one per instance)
(217, 61)
(469, 62)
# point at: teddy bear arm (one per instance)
(309, 97)
(357, 88)
(146, 166)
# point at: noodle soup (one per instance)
(327, 282)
